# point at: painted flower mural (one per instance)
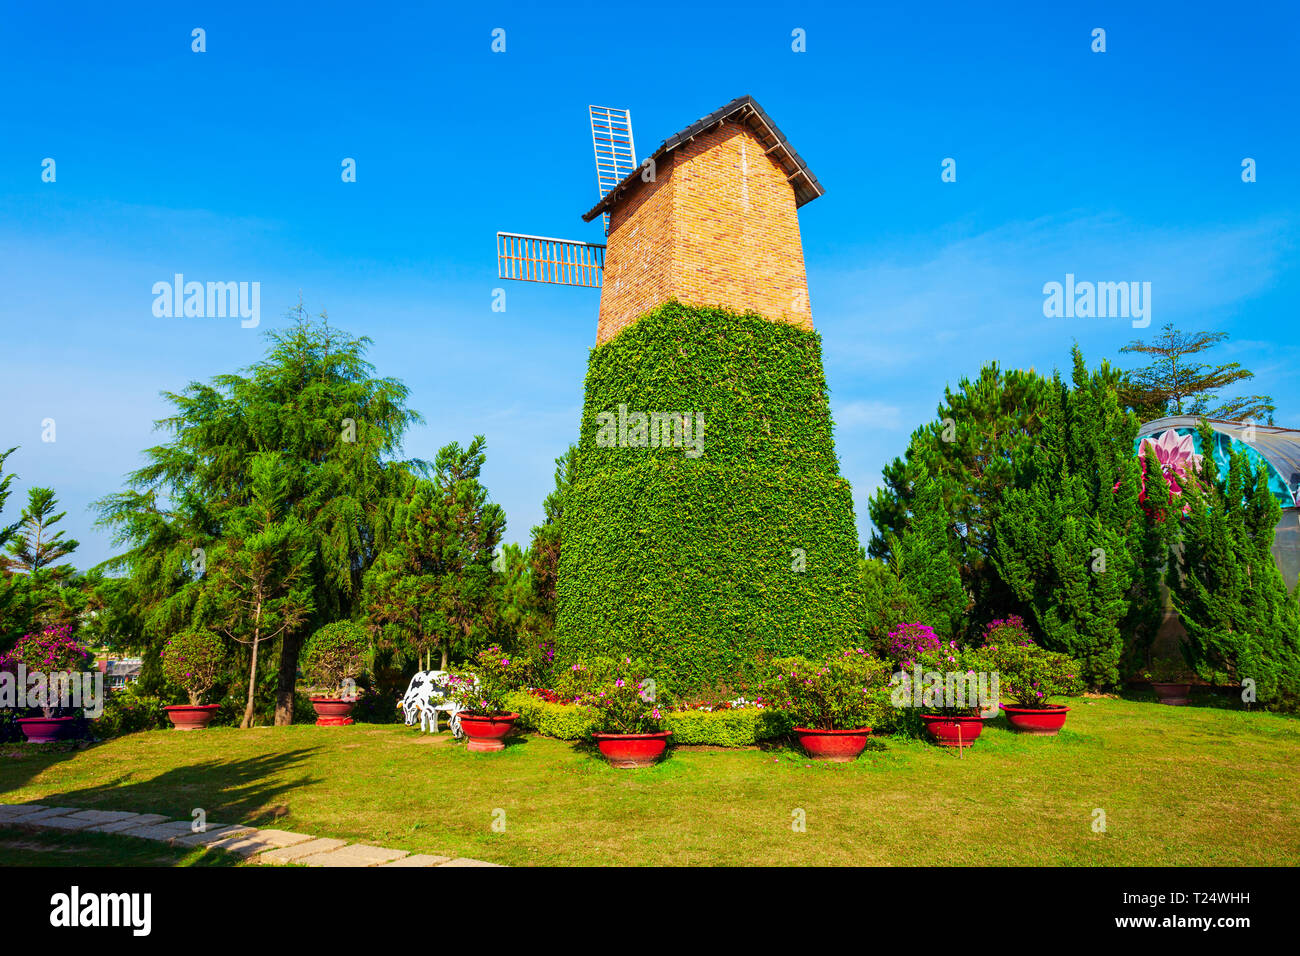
(1178, 461)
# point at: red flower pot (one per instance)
(486, 733)
(1036, 720)
(1173, 694)
(632, 750)
(947, 730)
(186, 717)
(44, 730)
(840, 746)
(332, 711)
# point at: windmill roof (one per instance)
(743, 109)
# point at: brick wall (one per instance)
(717, 227)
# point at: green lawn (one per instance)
(30, 847)
(1179, 785)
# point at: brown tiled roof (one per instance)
(744, 109)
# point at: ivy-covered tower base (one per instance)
(705, 544)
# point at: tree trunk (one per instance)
(289, 646)
(444, 655)
(252, 685)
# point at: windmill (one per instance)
(571, 261)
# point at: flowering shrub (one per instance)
(625, 704)
(1030, 675)
(496, 673)
(846, 691)
(581, 678)
(1009, 630)
(52, 651)
(193, 662)
(910, 641)
(335, 654)
(961, 689)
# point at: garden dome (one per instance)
(1276, 449)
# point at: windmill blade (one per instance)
(611, 134)
(542, 259)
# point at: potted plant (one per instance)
(53, 651)
(629, 719)
(1030, 677)
(193, 661)
(334, 656)
(479, 696)
(834, 702)
(948, 690)
(1171, 680)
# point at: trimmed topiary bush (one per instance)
(335, 655)
(707, 556)
(740, 727)
(562, 721)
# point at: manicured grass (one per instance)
(32, 847)
(1179, 785)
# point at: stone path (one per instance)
(268, 846)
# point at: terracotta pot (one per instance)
(1036, 720)
(486, 732)
(44, 730)
(632, 750)
(947, 730)
(839, 746)
(187, 717)
(1173, 694)
(332, 711)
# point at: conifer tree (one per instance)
(926, 564)
(434, 584)
(1241, 623)
(1071, 538)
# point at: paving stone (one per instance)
(38, 819)
(419, 859)
(63, 823)
(128, 823)
(293, 854)
(356, 854)
(162, 832)
(10, 812)
(103, 816)
(256, 841)
(213, 834)
(466, 861)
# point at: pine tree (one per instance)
(980, 432)
(45, 588)
(1241, 623)
(1071, 538)
(315, 400)
(434, 584)
(927, 566)
(258, 585)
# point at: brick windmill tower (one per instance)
(725, 536)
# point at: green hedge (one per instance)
(562, 721)
(726, 728)
(717, 728)
(689, 561)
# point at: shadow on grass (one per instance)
(228, 791)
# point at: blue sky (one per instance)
(225, 165)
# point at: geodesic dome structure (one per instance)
(1275, 449)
